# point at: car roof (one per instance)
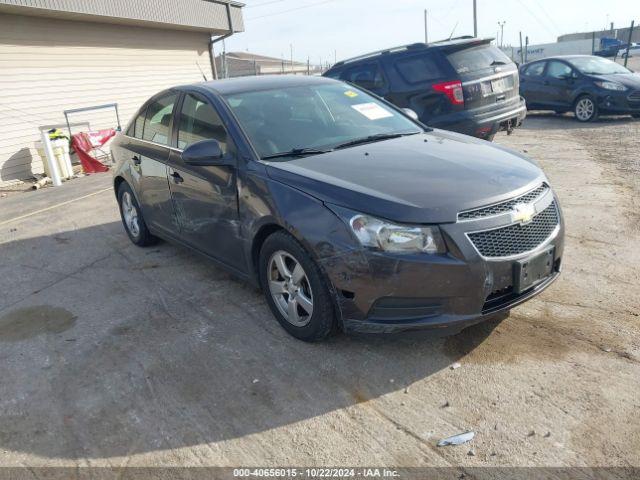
(448, 44)
(256, 83)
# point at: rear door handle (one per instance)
(136, 160)
(177, 178)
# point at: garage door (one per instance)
(53, 65)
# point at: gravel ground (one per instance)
(111, 355)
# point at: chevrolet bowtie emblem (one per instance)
(523, 213)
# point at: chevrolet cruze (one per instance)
(349, 214)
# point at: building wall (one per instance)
(48, 66)
(203, 14)
(621, 34)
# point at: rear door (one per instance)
(148, 146)
(489, 78)
(532, 86)
(205, 197)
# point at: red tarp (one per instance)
(84, 144)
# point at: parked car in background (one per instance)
(348, 213)
(465, 85)
(584, 84)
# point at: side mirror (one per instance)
(410, 113)
(203, 153)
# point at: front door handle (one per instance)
(177, 178)
(136, 160)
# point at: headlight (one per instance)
(389, 237)
(611, 86)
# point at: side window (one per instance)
(368, 76)
(199, 121)
(418, 69)
(559, 70)
(158, 119)
(335, 74)
(136, 128)
(534, 70)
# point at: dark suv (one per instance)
(464, 84)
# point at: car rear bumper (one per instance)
(386, 293)
(484, 122)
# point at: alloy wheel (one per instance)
(290, 288)
(130, 214)
(585, 108)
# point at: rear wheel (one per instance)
(132, 218)
(295, 289)
(585, 109)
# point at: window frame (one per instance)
(543, 72)
(430, 55)
(231, 145)
(153, 99)
(375, 63)
(550, 62)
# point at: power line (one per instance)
(262, 4)
(291, 10)
(544, 25)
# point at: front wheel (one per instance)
(586, 109)
(295, 289)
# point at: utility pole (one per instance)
(475, 19)
(521, 50)
(426, 30)
(501, 25)
(626, 58)
(291, 46)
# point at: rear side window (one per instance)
(137, 127)
(419, 69)
(199, 121)
(534, 70)
(477, 58)
(158, 119)
(368, 76)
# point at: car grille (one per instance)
(518, 238)
(503, 207)
(635, 96)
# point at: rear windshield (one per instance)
(477, 58)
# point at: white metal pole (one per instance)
(51, 159)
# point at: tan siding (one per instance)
(47, 66)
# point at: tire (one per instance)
(585, 109)
(307, 300)
(132, 218)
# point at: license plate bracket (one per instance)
(533, 270)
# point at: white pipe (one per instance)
(51, 159)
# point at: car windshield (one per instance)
(597, 66)
(310, 119)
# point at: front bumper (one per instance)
(619, 103)
(386, 293)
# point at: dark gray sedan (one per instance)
(347, 213)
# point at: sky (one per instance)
(323, 29)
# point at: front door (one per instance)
(559, 83)
(148, 146)
(206, 198)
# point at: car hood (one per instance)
(629, 80)
(424, 178)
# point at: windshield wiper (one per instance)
(497, 62)
(296, 152)
(373, 138)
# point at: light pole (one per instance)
(475, 19)
(501, 25)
